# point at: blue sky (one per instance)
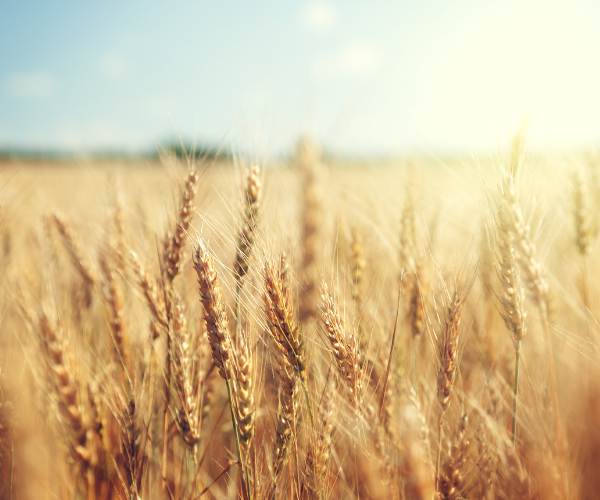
(363, 77)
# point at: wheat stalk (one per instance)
(308, 160)
(513, 297)
(414, 469)
(288, 402)
(538, 284)
(319, 450)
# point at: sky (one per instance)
(376, 77)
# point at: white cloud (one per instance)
(31, 85)
(96, 133)
(157, 105)
(112, 66)
(319, 15)
(358, 59)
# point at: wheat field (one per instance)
(307, 328)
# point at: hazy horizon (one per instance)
(365, 79)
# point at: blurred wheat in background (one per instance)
(300, 330)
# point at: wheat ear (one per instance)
(280, 318)
(581, 214)
(81, 435)
(416, 312)
(77, 255)
(245, 238)
(288, 398)
(448, 364)
(187, 414)
(151, 291)
(282, 324)
(173, 247)
(583, 236)
(215, 315)
(538, 283)
(512, 298)
(358, 264)
(244, 395)
(131, 439)
(113, 295)
(344, 347)
(308, 162)
(407, 233)
(452, 477)
(217, 328)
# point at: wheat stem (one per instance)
(560, 445)
(308, 403)
(439, 452)
(416, 361)
(12, 465)
(237, 437)
(514, 415)
(238, 291)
